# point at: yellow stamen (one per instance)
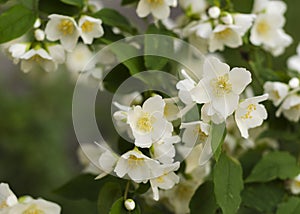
(3, 205)
(33, 210)
(221, 85)
(144, 123)
(202, 136)
(134, 161)
(66, 27)
(263, 27)
(223, 34)
(87, 26)
(250, 109)
(155, 2)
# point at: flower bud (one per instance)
(39, 35)
(227, 19)
(294, 82)
(37, 23)
(214, 12)
(129, 204)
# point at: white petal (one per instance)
(161, 12)
(239, 78)
(143, 8)
(154, 104)
(213, 67)
(226, 105)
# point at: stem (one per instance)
(126, 190)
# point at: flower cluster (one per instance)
(286, 97)
(9, 203)
(219, 91)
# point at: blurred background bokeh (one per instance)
(38, 146)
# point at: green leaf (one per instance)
(108, 194)
(217, 136)
(126, 2)
(127, 54)
(262, 197)
(292, 206)
(119, 208)
(274, 165)
(204, 200)
(30, 4)
(85, 186)
(15, 22)
(248, 161)
(3, 1)
(158, 46)
(114, 19)
(77, 3)
(228, 183)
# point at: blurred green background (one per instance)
(37, 141)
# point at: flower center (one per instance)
(250, 109)
(155, 2)
(223, 34)
(134, 161)
(36, 58)
(202, 136)
(66, 27)
(144, 123)
(87, 26)
(263, 27)
(33, 210)
(3, 205)
(296, 107)
(221, 85)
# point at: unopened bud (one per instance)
(129, 204)
(39, 35)
(214, 12)
(294, 82)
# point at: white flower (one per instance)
(164, 150)
(107, 162)
(39, 35)
(80, 59)
(195, 132)
(90, 28)
(290, 108)
(294, 82)
(221, 87)
(137, 166)
(148, 123)
(7, 197)
(57, 52)
(38, 57)
(171, 110)
(184, 87)
(88, 155)
(277, 91)
(165, 181)
(294, 185)
(160, 9)
(267, 29)
(250, 114)
(214, 12)
(208, 114)
(63, 28)
(294, 61)
(17, 50)
(35, 206)
(193, 6)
